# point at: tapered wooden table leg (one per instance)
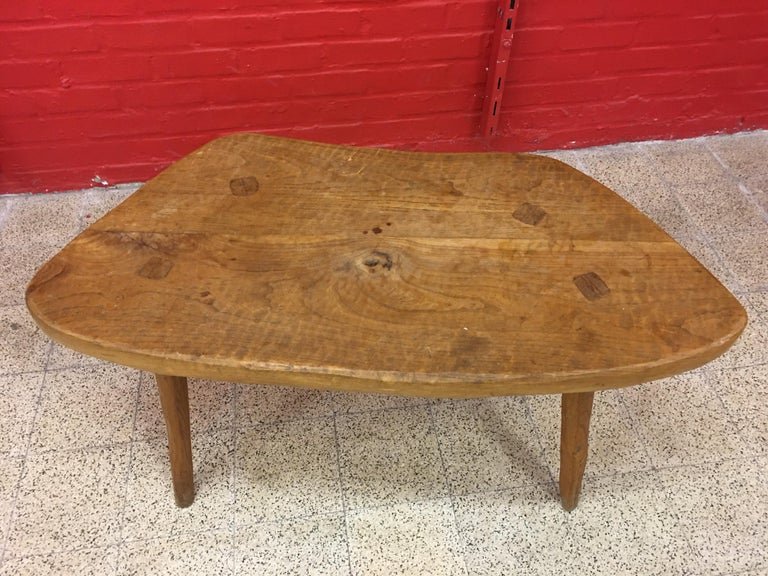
(175, 403)
(574, 445)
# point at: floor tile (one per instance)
(199, 554)
(488, 444)
(757, 189)
(414, 538)
(614, 445)
(98, 201)
(286, 470)
(720, 509)
(743, 392)
(721, 208)
(569, 157)
(150, 509)
(211, 407)
(758, 572)
(69, 500)
(355, 402)
(759, 302)
(750, 349)
(746, 256)
(18, 401)
(6, 202)
(63, 357)
(622, 526)
(23, 346)
(745, 154)
(10, 473)
(388, 457)
(18, 264)
(620, 167)
(514, 532)
(83, 407)
(51, 219)
(685, 162)
(682, 421)
(270, 404)
(316, 545)
(92, 562)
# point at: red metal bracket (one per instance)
(497, 67)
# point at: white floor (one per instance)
(301, 482)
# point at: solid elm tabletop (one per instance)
(275, 261)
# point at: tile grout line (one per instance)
(329, 415)
(23, 471)
(554, 485)
(344, 506)
(234, 550)
(127, 474)
(7, 208)
(45, 370)
(737, 179)
(700, 232)
(448, 487)
(190, 534)
(275, 522)
(65, 551)
(510, 490)
(708, 375)
(654, 469)
(750, 457)
(635, 426)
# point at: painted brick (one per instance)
(665, 31)
(139, 36)
(32, 74)
(236, 30)
(104, 69)
(88, 9)
(24, 43)
(41, 103)
(743, 26)
(21, 11)
(280, 58)
(385, 79)
(404, 20)
(472, 14)
(194, 64)
(122, 88)
(588, 37)
(161, 94)
(333, 23)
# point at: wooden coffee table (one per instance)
(274, 261)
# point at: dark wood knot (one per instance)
(591, 286)
(529, 214)
(378, 259)
(244, 186)
(155, 268)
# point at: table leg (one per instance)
(175, 403)
(574, 446)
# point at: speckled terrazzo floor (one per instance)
(301, 482)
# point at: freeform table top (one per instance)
(269, 260)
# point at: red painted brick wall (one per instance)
(119, 89)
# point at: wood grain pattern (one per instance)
(268, 260)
